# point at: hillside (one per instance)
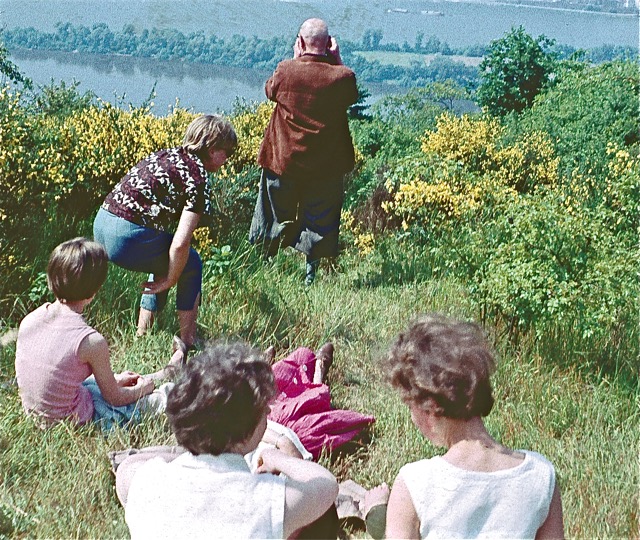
(522, 218)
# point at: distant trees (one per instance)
(238, 51)
(516, 68)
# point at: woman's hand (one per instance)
(270, 461)
(158, 285)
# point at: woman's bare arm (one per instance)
(553, 526)
(310, 489)
(402, 520)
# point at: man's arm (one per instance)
(271, 86)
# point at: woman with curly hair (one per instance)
(218, 412)
(478, 488)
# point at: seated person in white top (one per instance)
(479, 488)
(218, 412)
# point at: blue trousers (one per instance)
(143, 249)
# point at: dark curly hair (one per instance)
(443, 365)
(220, 397)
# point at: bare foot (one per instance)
(376, 496)
(270, 355)
(324, 359)
(178, 358)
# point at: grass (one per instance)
(58, 484)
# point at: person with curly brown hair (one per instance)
(479, 488)
(218, 413)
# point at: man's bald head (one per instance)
(315, 34)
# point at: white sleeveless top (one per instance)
(455, 503)
(204, 497)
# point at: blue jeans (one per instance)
(108, 416)
(142, 249)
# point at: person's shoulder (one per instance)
(539, 463)
(537, 458)
(38, 312)
(421, 465)
(93, 344)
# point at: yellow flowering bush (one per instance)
(250, 124)
(61, 166)
(467, 167)
(355, 234)
(470, 142)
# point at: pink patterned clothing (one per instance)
(48, 369)
(305, 407)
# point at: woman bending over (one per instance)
(146, 223)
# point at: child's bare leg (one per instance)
(145, 321)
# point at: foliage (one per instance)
(493, 209)
(238, 51)
(543, 400)
(582, 131)
(9, 70)
(529, 226)
(388, 134)
(516, 69)
(61, 153)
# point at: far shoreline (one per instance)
(532, 6)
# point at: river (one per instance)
(207, 88)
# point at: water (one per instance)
(207, 88)
(463, 23)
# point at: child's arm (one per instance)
(94, 351)
(402, 520)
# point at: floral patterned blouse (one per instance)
(155, 191)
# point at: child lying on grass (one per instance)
(62, 364)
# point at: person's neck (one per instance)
(75, 306)
(469, 431)
(314, 52)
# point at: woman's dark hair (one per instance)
(443, 365)
(77, 269)
(220, 398)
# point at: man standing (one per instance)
(306, 151)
